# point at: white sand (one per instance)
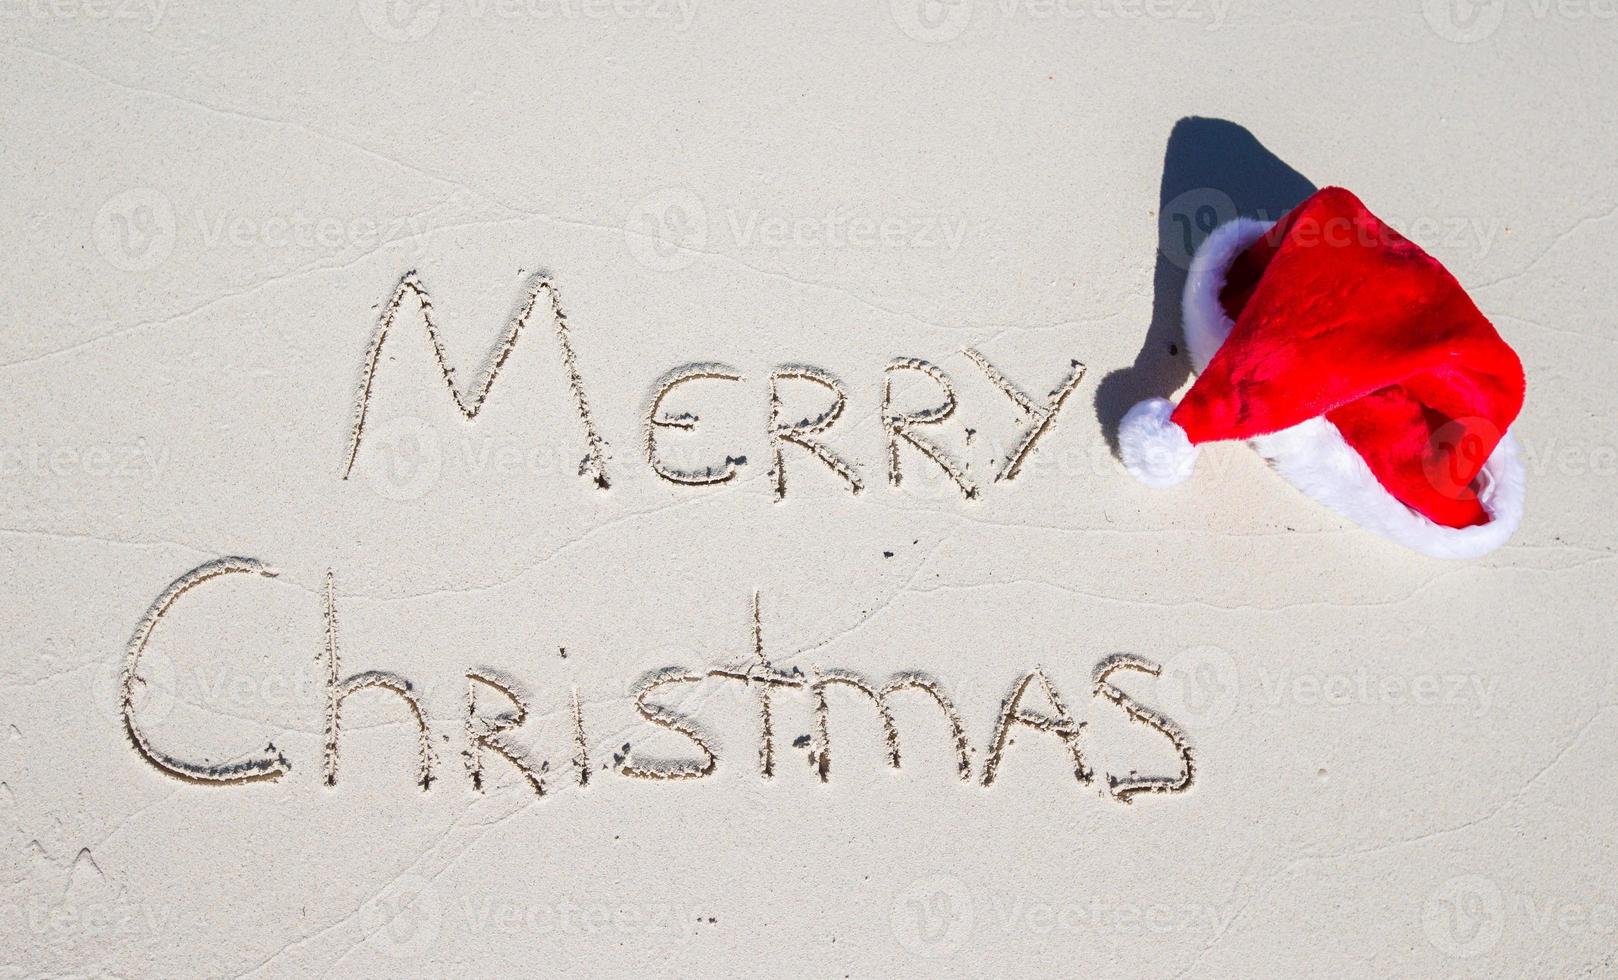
(1403, 766)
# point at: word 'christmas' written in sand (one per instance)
(1033, 707)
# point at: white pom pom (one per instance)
(1153, 448)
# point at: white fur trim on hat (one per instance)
(1312, 456)
(1206, 325)
(1153, 448)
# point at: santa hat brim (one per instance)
(1312, 456)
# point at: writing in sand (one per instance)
(497, 704)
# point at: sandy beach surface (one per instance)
(635, 595)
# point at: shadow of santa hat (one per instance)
(1356, 364)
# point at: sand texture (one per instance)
(569, 487)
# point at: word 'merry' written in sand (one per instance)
(908, 430)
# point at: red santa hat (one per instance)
(1356, 364)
